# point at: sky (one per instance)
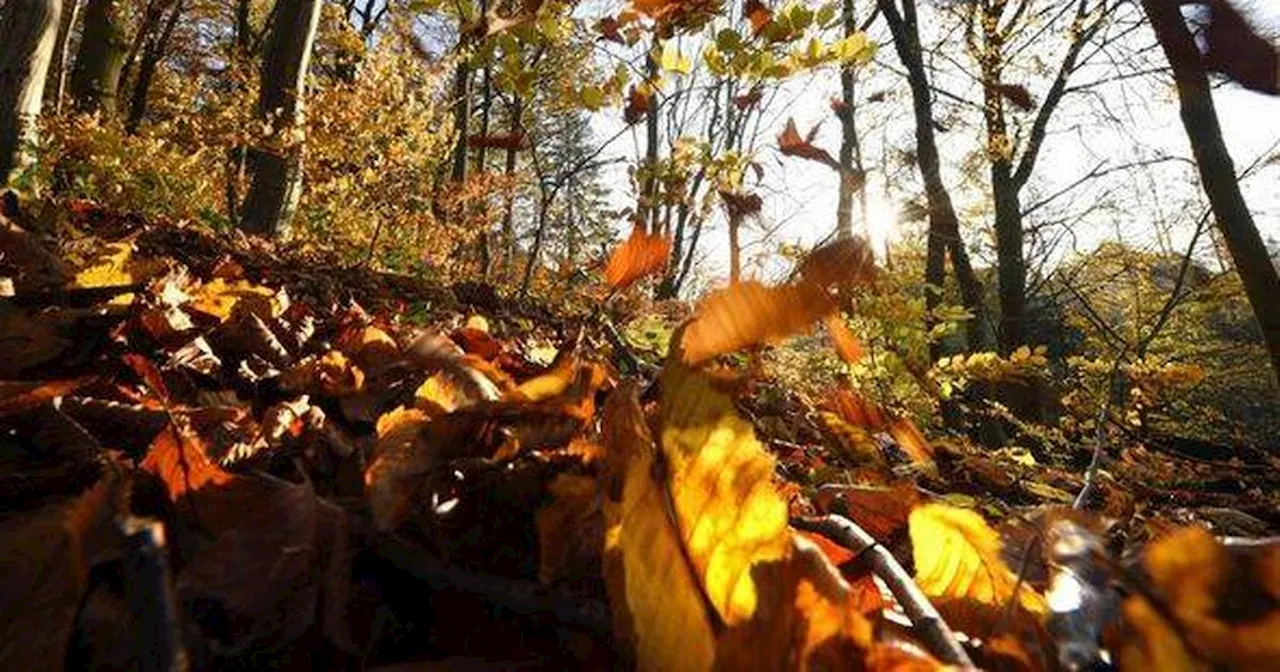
(1101, 128)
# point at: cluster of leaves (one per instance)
(262, 433)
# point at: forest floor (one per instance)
(271, 408)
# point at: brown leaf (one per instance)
(748, 99)
(791, 144)
(749, 313)
(741, 205)
(518, 140)
(20, 397)
(1016, 94)
(609, 29)
(640, 255)
(847, 261)
(882, 512)
(1224, 602)
(637, 106)
(282, 570)
(46, 555)
(30, 340)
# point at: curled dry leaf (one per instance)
(861, 412)
(741, 205)
(1016, 94)
(637, 105)
(749, 313)
(640, 255)
(791, 144)
(959, 566)
(702, 568)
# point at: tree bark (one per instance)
(850, 147)
(95, 82)
(28, 30)
(1217, 173)
(944, 225)
(56, 88)
(508, 214)
(151, 57)
(277, 171)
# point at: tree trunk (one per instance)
(28, 30)
(95, 81)
(735, 250)
(461, 117)
(648, 206)
(277, 171)
(56, 88)
(151, 17)
(850, 148)
(486, 102)
(1217, 173)
(508, 214)
(944, 225)
(151, 57)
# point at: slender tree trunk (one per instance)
(28, 31)
(648, 207)
(96, 78)
(151, 17)
(735, 250)
(486, 102)
(461, 117)
(277, 171)
(850, 148)
(155, 51)
(944, 225)
(544, 206)
(1217, 173)
(508, 214)
(56, 88)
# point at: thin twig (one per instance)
(933, 630)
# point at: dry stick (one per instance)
(1095, 463)
(934, 631)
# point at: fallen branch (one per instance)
(933, 630)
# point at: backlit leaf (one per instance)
(640, 255)
(958, 565)
(791, 144)
(749, 313)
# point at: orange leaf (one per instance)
(642, 254)
(791, 144)
(758, 14)
(882, 512)
(749, 313)
(847, 345)
(1205, 585)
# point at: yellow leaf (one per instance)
(220, 298)
(397, 430)
(108, 269)
(702, 568)
(436, 395)
(958, 564)
(674, 61)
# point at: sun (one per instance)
(881, 224)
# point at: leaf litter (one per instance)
(298, 475)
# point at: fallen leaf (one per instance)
(46, 555)
(701, 566)
(1225, 602)
(220, 298)
(564, 526)
(749, 313)
(20, 397)
(958, 565)
(642, 254)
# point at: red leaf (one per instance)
(791, 144)
(517, 140)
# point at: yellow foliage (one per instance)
(702, 568)
(220, 298)
(958, 564)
